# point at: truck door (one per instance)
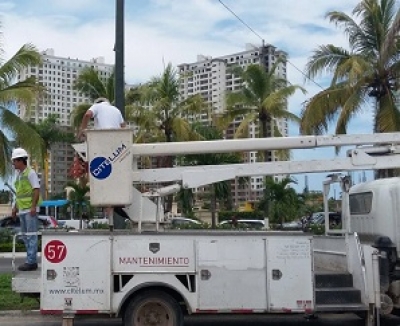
(231, 274)
(289, 273)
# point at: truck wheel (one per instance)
(153, 308)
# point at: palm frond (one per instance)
(352, 70)
(5, 152)
(24, 92)
(26, 56)
(277, 101)
(77, 115)
(322, 109)
(393, 31)
(354, 104)
(388, 114)
(325, 58)
(92, 85)
(354, 32)
(243, 130)
(24, 135)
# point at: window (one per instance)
(361, 203)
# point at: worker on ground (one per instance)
(27, 189)
(106, 116)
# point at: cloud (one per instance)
(162, 31)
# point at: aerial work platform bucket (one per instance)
(110, 166)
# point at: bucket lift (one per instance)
(113, 170)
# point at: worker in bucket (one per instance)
(26, 204)
(106, 116)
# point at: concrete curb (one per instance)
(19, 312)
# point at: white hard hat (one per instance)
(100, 100)
(18, 153)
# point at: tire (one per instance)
(153, 308)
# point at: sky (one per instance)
(176, 31)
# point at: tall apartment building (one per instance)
(58, 74)
(213, 78)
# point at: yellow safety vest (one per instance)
(24, 191)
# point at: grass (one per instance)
(12, 301)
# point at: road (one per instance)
(5, 264)
(323, 320)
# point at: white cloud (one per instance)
(158, 31)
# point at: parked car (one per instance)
(335, 218)
(177, 222)
(45, 222)
(244, 224)
(292, 226)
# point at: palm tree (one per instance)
(51, 133)
(79, 199)
(163, 118)
(219, 190)
(280, 202)
(368, 70)
(14, 131)
(262, 99)
(185, 199)
(91, 84)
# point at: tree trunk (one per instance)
(384, 173)
(168, 163)
(213, 207)
(265, 121)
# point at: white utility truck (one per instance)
(375, 216)
(154, 276)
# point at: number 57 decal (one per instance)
(55, 251)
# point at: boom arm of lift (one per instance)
(370, 151)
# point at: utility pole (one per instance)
(119, 57)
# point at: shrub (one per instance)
(227, 215)
(7, 247)
(5, 236)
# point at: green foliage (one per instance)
(13, 130)
(191, 226)
(317, 229)
(220, 190)
(369, 68)
(280, 202)
(5, 236)
(185, 201)
(99, 226)
(5, 197)
(7, 247)
(228, 215)
(50, 131)
(262, 98)
(9, 300)
(93, 85)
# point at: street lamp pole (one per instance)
(119, 57)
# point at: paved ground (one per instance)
(5, 261)
(275, 320)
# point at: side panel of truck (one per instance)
(153, 254)
(75, 273)
(230, 269)
(222, 272)
(290, 270)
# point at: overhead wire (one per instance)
(263, 42)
